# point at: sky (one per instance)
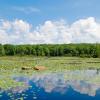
(49, 21)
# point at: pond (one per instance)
(69, 85)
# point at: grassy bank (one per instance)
(15, 63)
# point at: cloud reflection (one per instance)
(84, 82)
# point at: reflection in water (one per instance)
(82, 82)
(85, 82)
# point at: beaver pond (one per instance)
(68, 85)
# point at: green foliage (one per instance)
(78, 50)
(9, 49)
(2, 51)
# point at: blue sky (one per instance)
(49, 21)
(69, 10)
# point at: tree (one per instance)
(46, 51)
(9, 49)
(20, 50)
(34, 51)
(61, 51)
(2, 51)
(79, 50)
(40, 51)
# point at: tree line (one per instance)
(78, 50)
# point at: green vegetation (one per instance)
(12, 66)
(56, 58)
(67, 50)
(7, 83)
(15, 63)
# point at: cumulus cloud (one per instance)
(86, 30)
(21, 32)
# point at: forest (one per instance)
(68, 50)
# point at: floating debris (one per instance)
(40, 68)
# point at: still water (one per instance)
(69, 85)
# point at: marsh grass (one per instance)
(14, 64)
(11, 66)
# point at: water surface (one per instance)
(69, 85)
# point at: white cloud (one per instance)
(86, 30)
(20, 32)
(26, 10)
